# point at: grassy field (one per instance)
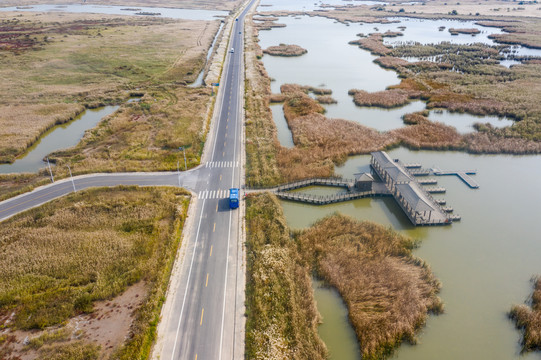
(388, 291)
(60, 259)
(144, 135)
(182, 4)
(53, 65)
(528, 319)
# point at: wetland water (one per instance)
(57, 138)
(486, 260)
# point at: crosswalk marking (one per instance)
(213, 194)
(222, 164)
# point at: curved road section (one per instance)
(200, 319)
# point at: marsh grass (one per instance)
(528, 319)
(281, 314)
(87, 60)
(144, 135)
(60, 258)
(388, 291)
(285, 50)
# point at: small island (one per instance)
(148, 13)
(471, 32)
(285, 50)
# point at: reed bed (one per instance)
(86, 60)
(326, 99)
(388, 291)
(144, 135)
(528, 319)
(282, 317)
(286, 50)
(467, 31)
(262, 144)
(385, 99)
(60, 258)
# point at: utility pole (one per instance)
(178, 172)
(50, 171)
(72, 182)
(184, 151)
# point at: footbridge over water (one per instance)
(388, 178)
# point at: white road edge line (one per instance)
(188, 283)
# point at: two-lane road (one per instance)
(199, 317)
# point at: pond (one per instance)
(484, 261)
(57, 138)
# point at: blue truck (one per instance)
(233, 198)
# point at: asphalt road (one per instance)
(200, 322)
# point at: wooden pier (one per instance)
(463, 175)
(389, 178)
(418, 205)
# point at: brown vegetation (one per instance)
(60, 77)
(285, 50)
(385, 99)
(472, 31)
(261, 137)
(387, 290)
(144, 135)
(282, 316)
(326, 99)
(61, 258)
(372, 43)
(528, 319)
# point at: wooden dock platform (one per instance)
(418, 205)
(463, 175)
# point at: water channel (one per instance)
(59, 137)
(486, 260)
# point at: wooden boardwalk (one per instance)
(463, 175)
(416, 202)
(391, 178)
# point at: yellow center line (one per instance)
(223, 153)
(195, 356)
(220, 177)
(210, 251)
(202, 312)
(213, 230)
(207, 280)
(224, 143)
(226, 128)
(216, 207)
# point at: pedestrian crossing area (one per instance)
(222, 164)
(213, 194)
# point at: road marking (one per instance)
(32, 199)
(216, 207)
(195, 356)
(220, 177)
(223, 154)
(188, 283)
(214, 229)
(206, 283)
(210, 255)
(224, 143)
(202, 312)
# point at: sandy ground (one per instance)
(108, 326)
